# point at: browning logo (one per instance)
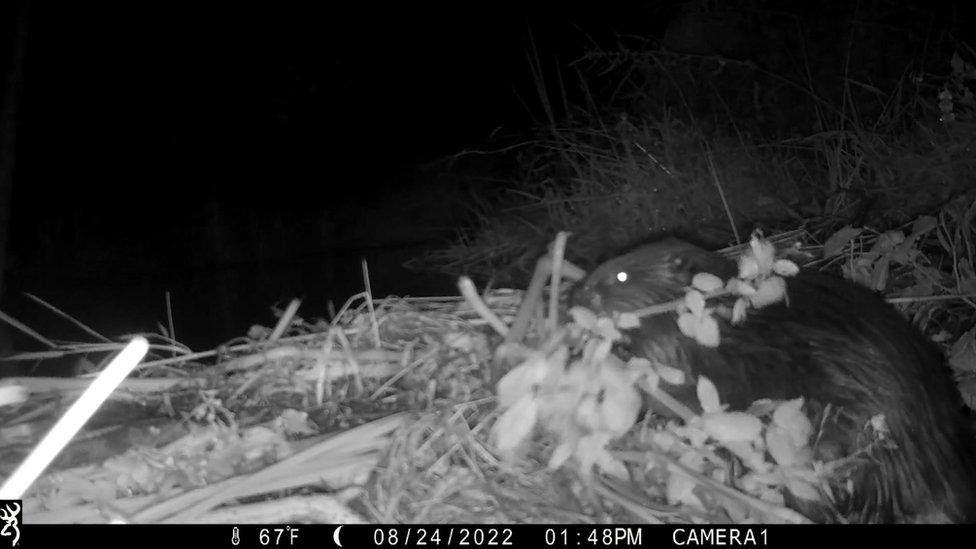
(11, 519)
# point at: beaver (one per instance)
(836, 344)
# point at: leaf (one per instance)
(526, 377)
(588, 413)
(13, 394)
(967, 282)
(259, 442)
(627, 321)
(515, 425)
(257, 332)
(785, 267)
(731, 426)
(962, 355)
(639, 363)
(879, 276)
(748, 267)
(880, 425)
(693, 461)
(753, 458)
(664, 440)
(803, 490)
(707, 282)
(770, 291)
(460, 341)
(708, 395)
(583, 316)
(919, 289)
(563, 451)
(956, 63)
(695, 302)
(706, 332)
(838, 241)
(518, 383)
(621, 401)
(764, 252)
(888, 241)
(606, 327)
(670, 374)
(739, 311)
(679, 490)
(967, 387)
(592, 449)
(688, 324)
(771, 495)
(734, 286)
(780, 445)
(762, 407)
(702, 328)
(606, 461)
(750, 483)
(923, 224)
(650, 383)
(294, 422)
(602, 350)
(789, 415)
(696, 437)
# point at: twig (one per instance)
(68, 317)
(467, 288)
(169, 316)
(369, 303)
(20, 326)
(558, 251)
(285, 319)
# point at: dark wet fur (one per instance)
(836, 344)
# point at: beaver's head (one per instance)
(648, 275)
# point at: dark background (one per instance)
(239, 156)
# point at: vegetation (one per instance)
(818, 123)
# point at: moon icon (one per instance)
(335, 535)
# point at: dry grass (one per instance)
(386, 413)
(659, 142)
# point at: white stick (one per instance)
(73, 420)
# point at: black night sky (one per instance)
(241, 155)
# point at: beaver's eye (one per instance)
(621, 276)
